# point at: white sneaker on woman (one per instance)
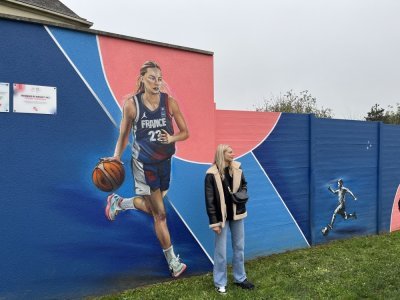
(221, 290)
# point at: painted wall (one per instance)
(56, 241)
(346, 150)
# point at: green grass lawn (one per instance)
(362, 267)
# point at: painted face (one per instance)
(339, 184)
(152, 81)
(229, 155)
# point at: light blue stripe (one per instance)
(82, 49)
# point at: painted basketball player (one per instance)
(149, 114)
(341, 208)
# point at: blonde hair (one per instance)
(219, 159)
(143, 70)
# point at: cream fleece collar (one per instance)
(213, 169)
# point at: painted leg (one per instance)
(142, 203)
(160, 219)
(351, 216)
(330, 225)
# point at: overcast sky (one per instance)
(345, 52)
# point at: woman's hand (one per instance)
(165, 137)
(217, 229)
(112, 158)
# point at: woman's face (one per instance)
(229, 155)
(152, 81)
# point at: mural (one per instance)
(56, 240)
(341, 208)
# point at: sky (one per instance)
(346, 53)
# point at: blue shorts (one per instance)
(150, 177)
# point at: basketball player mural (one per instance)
(341, 208)
(149, 114)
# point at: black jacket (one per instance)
(214, 195)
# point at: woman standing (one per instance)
(222, 177)
(149, 114)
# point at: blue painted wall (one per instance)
(56, 241)
(284, 156)
(346, 150)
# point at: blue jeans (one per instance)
(220, 271)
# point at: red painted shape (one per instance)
(244, 130)
(189, 76)
(395, 218)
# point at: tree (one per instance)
(390, 116)
(376, 113)
(290, 102)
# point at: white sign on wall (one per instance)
(35, 99)
(4, 97)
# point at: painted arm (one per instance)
(128, 116)
(183, 133)
(332, 191)
(350, 192)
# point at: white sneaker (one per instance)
(221, 290)
(176, 267)
(111, 210)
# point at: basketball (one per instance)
(108, 175)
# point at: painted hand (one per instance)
(112, 158)
(165, 137)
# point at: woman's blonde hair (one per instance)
(143, 70)
(219, 159)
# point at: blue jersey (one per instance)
(146, 129)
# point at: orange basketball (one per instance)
(108, 175)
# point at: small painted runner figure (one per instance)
(341, 208)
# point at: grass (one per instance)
(362, 267)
